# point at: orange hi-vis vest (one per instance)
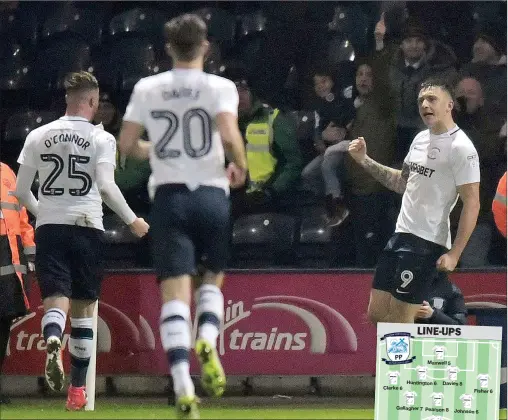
(499, 206)
(16, 233)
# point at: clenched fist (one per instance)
(139, 227)
(236, 175)
(358, 149)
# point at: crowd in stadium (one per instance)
(310, 79)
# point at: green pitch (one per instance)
(137, 409)
(54, 410)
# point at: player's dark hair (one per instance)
(80, 81)
(440, 83)
(185, 34)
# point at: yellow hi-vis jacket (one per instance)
(260, 161)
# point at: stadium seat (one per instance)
(265, 239)
(100, 68)
(58, 59)
(213, 61)
(287, 12)
(350, 22)
(15, 67)
(320, 245)
(117, 232)
(305, 131)
(85, 23)
(17, 128)
(130, 60)
(485, 13)
(19, 26)
(120, 243)
(221, 24)
(316, 247)
(340, 49)
(139, 22)
(20, 124)
(252, 24)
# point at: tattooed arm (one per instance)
(393, 179)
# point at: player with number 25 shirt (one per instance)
(76, 163)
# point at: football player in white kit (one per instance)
(191, 120)
(441, 165)
(76, 162)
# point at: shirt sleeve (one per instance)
(27, 155)
(106, 149)
(227, 98)
(134, 112)
(465, 163)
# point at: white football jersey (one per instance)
(410, 397)
(66, 152)
(439, 351)
(437, 399)
(178, 110)
(466, 400)
(452, 372)
(422, 372)
(393, 377)
(484, 380)
(438, 165)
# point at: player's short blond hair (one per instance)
(81, 81)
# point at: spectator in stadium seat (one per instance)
(273, 154)
(483, 129)
(370, 201)
(488, 66)
(445, 304)
(131, 174)
(334, 113)
(417, 59)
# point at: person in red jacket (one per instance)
(17, 251)
(499, 206)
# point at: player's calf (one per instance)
(210, 312)
(53, 325)
(80, 348)
(176, 342)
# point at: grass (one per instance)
(137, 409)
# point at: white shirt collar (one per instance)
(73, 118)
(446, 133)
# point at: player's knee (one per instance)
(400, 316)
(375, 316)
(176, 288)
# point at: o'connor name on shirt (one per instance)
(439, 331)
(67, 138)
